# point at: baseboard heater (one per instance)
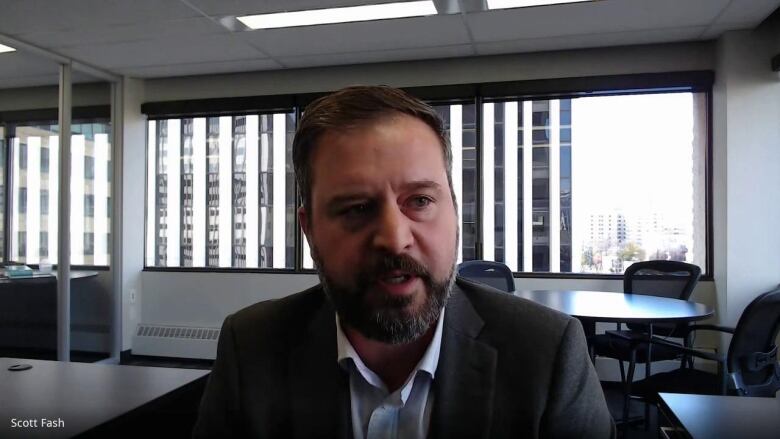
(176, 341)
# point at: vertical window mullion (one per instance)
(279, 202)
(510, 185)
(488, 182)
(225, 191)
(527, 176)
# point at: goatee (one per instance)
(377, 315)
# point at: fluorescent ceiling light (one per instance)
(506, 4)
(6, 49)
(339, 15)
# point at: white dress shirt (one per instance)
(379, 414)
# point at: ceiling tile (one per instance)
(589, 18)
(164, 52)
(363, 36)
(584, 41)
(748, 11)
(200, 68)
(379, 56)
(248, 7)
(48, 15)
(145, 30)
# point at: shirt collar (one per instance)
(428, 363)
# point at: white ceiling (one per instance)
(157, 38)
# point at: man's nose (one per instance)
(393, 231)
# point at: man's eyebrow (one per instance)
(421, 184)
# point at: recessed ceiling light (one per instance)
(506, 4)
(6, 49)
(339, 15)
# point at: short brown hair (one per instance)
(352, 107)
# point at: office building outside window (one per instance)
(591, 185)
(34, 150)
(223, 192)
(583, 183)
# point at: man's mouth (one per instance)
(396, 277)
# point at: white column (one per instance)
(100, 189)
(510, 185)
(279, 203)
(199, 192)
(528, 201)
(173, 217)
(456, 142)
(77, 199)
(225, 192)
(488, 177)
(14, 244)
(252, 189)
(54, 184)
(33, 223)
(555, 185)
(151, 191)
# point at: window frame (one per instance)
(473, 93)
(10, 120)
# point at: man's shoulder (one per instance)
(289, 311)
(507, 312)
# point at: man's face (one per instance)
(383, 226)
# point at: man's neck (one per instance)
(392, 362)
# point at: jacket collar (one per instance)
(463, 386)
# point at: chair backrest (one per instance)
(495, 274)
(673, 279)
(752, 357)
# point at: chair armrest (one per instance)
(720, 358)
(691, 328)
(628, 335)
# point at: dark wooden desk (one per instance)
(92, 399)
(708, 416)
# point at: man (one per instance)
(390, 345)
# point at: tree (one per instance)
(631, 252)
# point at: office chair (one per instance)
(750, 367)
(494, 274)
(671, 279)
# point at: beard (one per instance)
(377, 315)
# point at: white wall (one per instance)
(35, 98)
(747, 154)
(559, 64)
(133, 196)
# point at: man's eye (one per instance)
(421, 202)
(356, 210)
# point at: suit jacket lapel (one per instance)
(319, 396)
(465, 376)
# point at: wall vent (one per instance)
(176, 341)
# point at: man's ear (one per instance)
(303, 220)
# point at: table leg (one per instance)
(648, 370)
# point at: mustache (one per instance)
(386, 263)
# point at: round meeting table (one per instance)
(604, 306)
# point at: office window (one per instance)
(222, 192)
(34, 153)
(586, 183)
(460, 121)
(591, 185)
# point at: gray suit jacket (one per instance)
(508, 367)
